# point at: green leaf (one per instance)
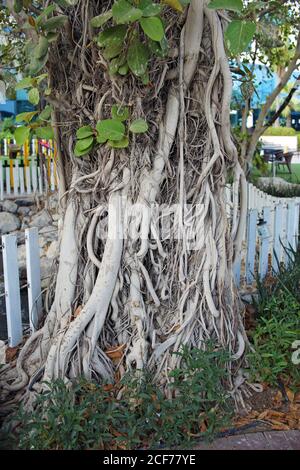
(238, 35)
(112, 36)
(124, 13)
(44, 132)
(83, 146)
(18, 5)
(175, 4)
(54, 23)
(34, 96)
(21, 134)
(50, 9)
(36, 65)
(84, 132)
(149, 8)
(153, 28)
(120, 144)
(45, 115)
(137, 58)
(120, 113)
(233, 5)
(139, 126)
(26, 117)
(100, 20)
(110, 129)
(42, 48)
(112, 50)
(114, 66)
(123, 70)
(24, 83)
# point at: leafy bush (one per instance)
(280, 131)
(282, 190)
(89, 416)
(278, 326)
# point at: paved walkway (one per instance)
(271, 440)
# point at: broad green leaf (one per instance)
(156, 48)
(46, 113)
(112, 36)
(50, 9)
(36, 65)
(139, 126)
(238, 35)
(83, 146)
(112, 50)
(42, 48)
(44, 132)
(54, 23)
(25, 117)
(137, 58)
(153, 28)
(24, 83)
(34, 96)
(124, 13)
(120, 113)
(175, 4)
(18, 5)
(120, 144)
(233, 5)
(84, 132)
(123, 70)
(100, 20)
(110, 129)
(114, 65)
(21, 134)
(41, 77)
(149, 8)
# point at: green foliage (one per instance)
(280, 131)
(21, 134)
(233, 5)
(278, 312)
(89, 416)
(238, 35)
(34, 96)
(112, 131)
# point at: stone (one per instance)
(275, 181)
(53, 250)
(49, 233)
(52, 202)
(23, 210)
(41, 219)
(25, 202)
(46, 269)
(8, 222)
(9, 206)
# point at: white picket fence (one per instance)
(272, 227)
(271, 234)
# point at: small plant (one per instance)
(89, 416)
(111, 132)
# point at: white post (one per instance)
(264, 244)
(290, 232)
(34, 176)
(28, 179)
(16, 177)
(21, 174)
(277, 247)
(12, 290)
(251, 245)
(33, 276)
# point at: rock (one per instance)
(25, 202)
(49, 233)
(55, 217)
(41, 219)
(22, 256)
(23, 210)
(9, 206)
(53, 250)
(25, 222)
(8, 222)
(52, 202)
(46, 269)
(275, 181)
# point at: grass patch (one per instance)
(89, 416)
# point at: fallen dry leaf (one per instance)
(11, 353)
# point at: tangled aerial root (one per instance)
(151, 291)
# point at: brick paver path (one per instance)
(271, 440)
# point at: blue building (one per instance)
(13, 107)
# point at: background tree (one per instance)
(139, 100)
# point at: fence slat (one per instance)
(264, 245)
(251, 245)
(33, 276)
(12, 289)
(290, 231)
(1, 181)
(277, 243)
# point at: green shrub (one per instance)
(88, 416)
(278, 326)
(280, 131)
